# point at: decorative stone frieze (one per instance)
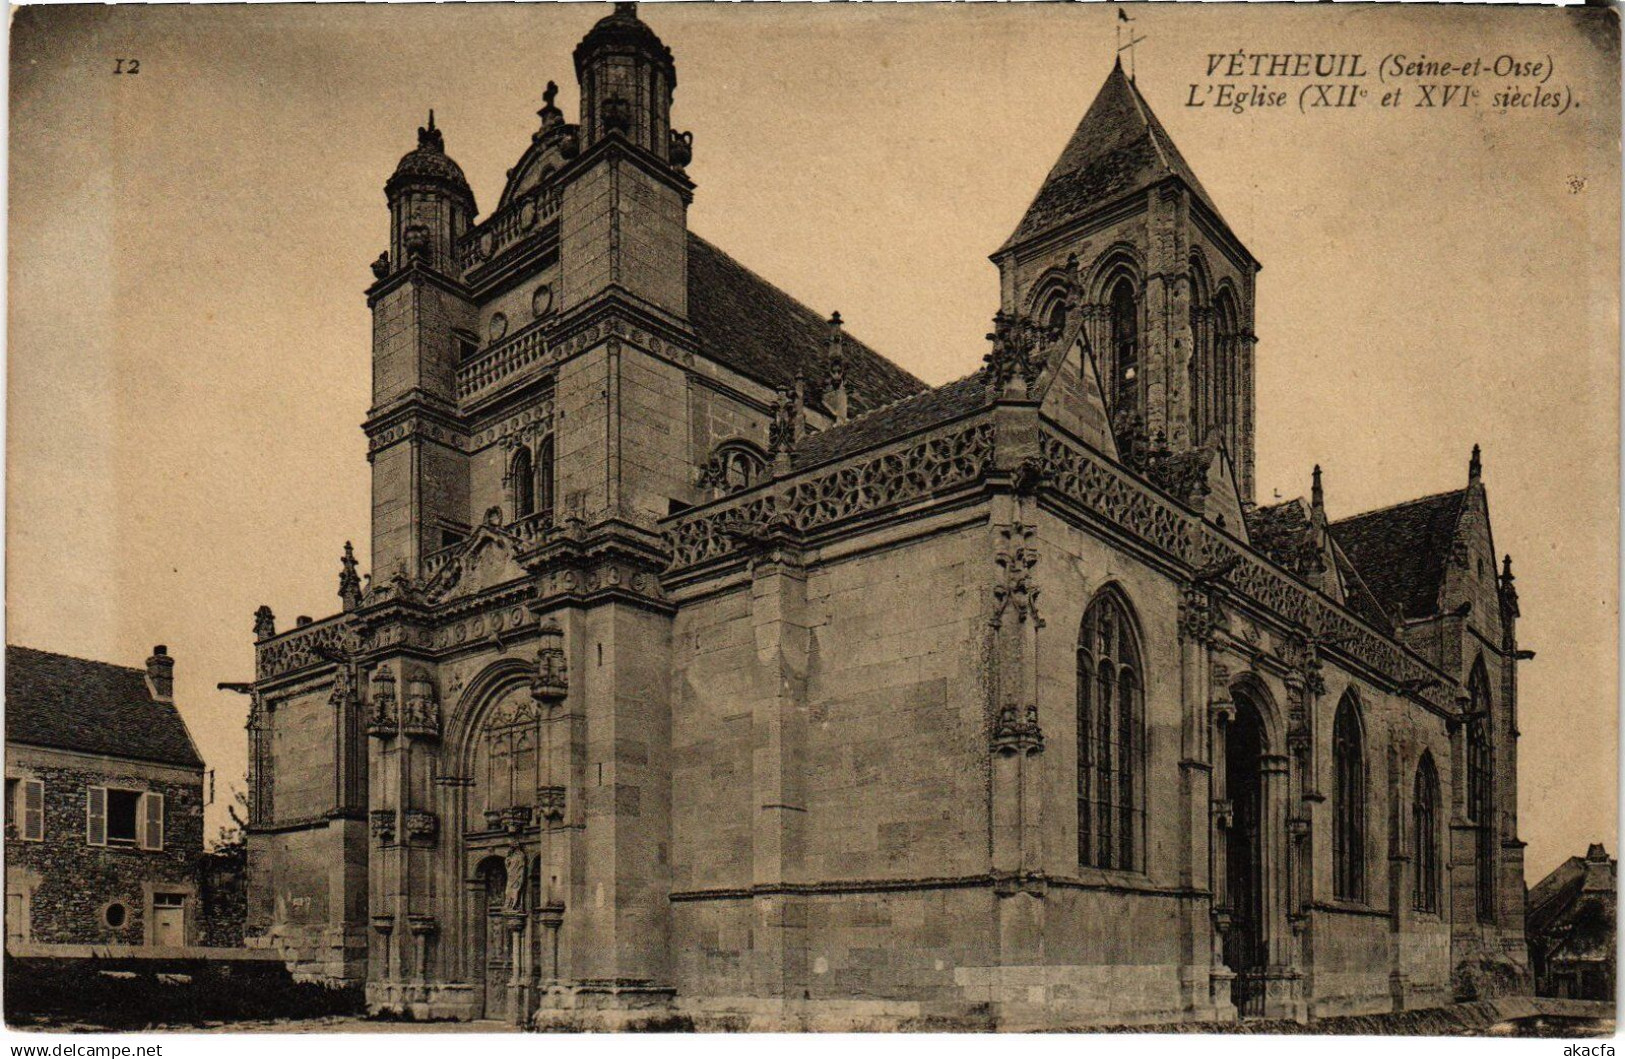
(550, 803)
(310, 645)
(383, 825)
(1109, 493)
(929, 465)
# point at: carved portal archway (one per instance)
(1256, 950)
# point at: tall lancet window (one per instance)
(1223, 378)
(522, 480)
(544, 478)
(1125, 333)
(1425, 831)
(1481, 789)
(1348, 803)
(1110, 737)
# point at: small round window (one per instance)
(499, 326)
(115, 914)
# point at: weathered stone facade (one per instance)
(712, 666)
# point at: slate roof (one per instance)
(1119, 147)
(753, 327)
(1555, 895)
(1401, 551)
(911, 414)
(70, 703)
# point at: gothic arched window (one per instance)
(544, 478)
(1481, 788)
(1425, 832)
(1111, 814)
(1348, 803)
(1125, 337)
(505, 772)
(522, 479)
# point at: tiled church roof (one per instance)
(1401, 551)
(753, 327)
(70, 703)
(1119, 147)
(910, 415)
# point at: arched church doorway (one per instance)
(1245, 949)
(496, 951)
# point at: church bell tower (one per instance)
(1166, 287)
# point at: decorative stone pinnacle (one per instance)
(1475, 466)
(349, 580)
(1317, 495)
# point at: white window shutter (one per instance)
(152, 831)
(34, 810)
(96, 816)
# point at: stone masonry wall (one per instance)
(71, 883)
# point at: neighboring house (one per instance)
(104, 803)
(1570, 924)
(714, 664)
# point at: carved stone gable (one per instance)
(485, 560)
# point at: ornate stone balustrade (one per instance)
(918, 469)
(1109, 493)
(506, 227)
(500, 362)
(307, 645)
(532, 528)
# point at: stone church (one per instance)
(716, 671)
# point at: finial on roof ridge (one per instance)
(1475, 466)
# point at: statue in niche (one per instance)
(514, 862)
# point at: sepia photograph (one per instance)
(812, 518)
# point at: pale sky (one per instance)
(189, 345)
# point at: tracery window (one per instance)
(1481, 789)
(1348, 804)
(1125, 341)
(506, 766)
(1111, 814)
(1425, 832)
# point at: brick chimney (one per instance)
(161, 675)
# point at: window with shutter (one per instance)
(33, 811)
(152, 831)
(96, 816)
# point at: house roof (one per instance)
(1556, 894)
(71, 703)
(1401, 551)
(1119, 147)
(747, 324)
(913, 413)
